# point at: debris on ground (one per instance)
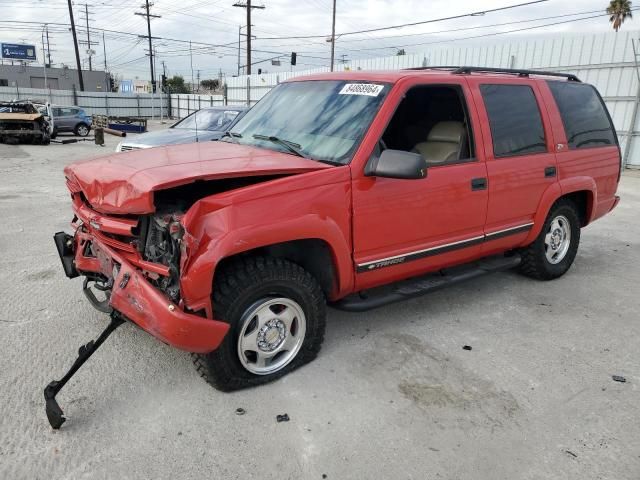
(467, 347)
(240, 411)
(282, 418)
(618, 378)
(569, 452)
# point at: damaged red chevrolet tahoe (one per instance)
(357, 189)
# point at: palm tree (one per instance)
(619, 10)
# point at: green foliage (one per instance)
(619, 11)
(213, 84)
(176, 84)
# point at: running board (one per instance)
(418, 286)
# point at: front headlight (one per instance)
(119, 147)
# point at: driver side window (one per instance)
(431, 121)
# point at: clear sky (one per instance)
(212, 26)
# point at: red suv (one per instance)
(356, 189)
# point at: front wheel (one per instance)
(552, 253)
(276, 311)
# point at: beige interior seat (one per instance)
(443, 143)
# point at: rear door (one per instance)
(66, 121)
(521, 161)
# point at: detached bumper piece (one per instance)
(64, 244)
(54, 412)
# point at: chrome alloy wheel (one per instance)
(557, 240)
(272, 333)
(83, 130)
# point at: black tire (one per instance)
(240, 285)
(82, 130)
(54, 134)
(534, 259)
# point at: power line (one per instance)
(423, 22)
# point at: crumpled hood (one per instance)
(173, 136)
(124, 183)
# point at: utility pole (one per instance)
(239, 35)
(106, 75)
(147, 6)
(191, 60)
(86, 14)
(75, 44)
(248, 6)
(48, 45)
(333, 34)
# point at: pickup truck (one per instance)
(353, 189)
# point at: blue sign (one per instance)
(126, 86)
(18, 52)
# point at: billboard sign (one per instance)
(14, 51)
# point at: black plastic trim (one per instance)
(398, 259)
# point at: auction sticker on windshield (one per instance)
(368, 89)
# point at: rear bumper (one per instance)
(142, 303)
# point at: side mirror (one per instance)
(397, 164)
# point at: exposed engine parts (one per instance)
(162, 245)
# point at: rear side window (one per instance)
(586, 121)
(514, 117)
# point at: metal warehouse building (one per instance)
(24, 76)
(606, 60)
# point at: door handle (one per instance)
(478, 184)
(550, 172)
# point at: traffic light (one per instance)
(163, 82)
(294, 58)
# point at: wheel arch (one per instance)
(315, 255)
(580, 190)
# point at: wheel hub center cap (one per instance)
(271, 335)
(556, 239)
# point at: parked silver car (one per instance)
(71, 119)
(204, 125)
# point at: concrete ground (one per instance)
(392, 394)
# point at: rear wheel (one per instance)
(554, 250)
(81, 130)
(277, 313)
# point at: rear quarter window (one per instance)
(514, 118)
(585, 118)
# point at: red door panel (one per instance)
(516, 183)
(403, 228)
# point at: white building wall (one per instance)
(605, 60)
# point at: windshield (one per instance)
(208, 120)
(323, 120)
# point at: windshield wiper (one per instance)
(231, 135)
(291, 146)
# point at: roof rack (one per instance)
(436, 67)
(513, 71)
